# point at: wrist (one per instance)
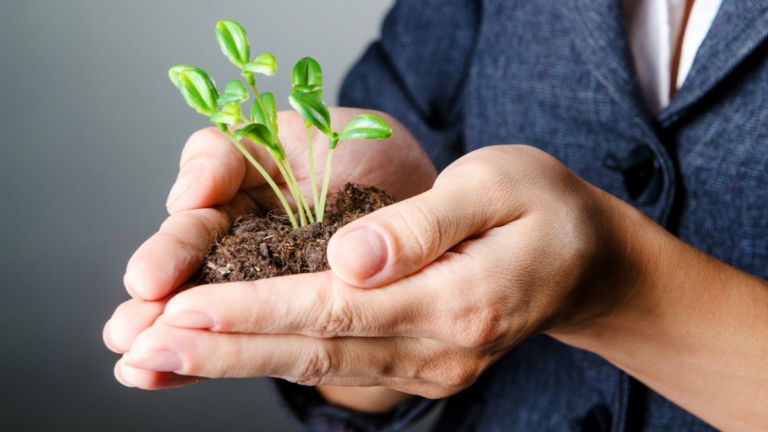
(619, 289)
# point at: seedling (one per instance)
(260, 126)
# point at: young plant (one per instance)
(314, 112)
(260, 126)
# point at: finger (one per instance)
(322, 305)
(313, 304)
(119, 375)
(400, 239)
(172, 255)
(304, 360)
(150, 380)
(130, 319)
(212, 170)
(165, 348)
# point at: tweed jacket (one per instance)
(558, 75)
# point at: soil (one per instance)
(264, 246)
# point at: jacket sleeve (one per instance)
(415, 72)
(310, 412)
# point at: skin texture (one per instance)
(426, 294)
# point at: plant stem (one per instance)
(326, 180)
(292, 187)
(260, 101)
(312, 175)
(257, 96)
(267, 178)
(290, 179)
(299, 192)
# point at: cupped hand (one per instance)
(215, 185)
(423, 295)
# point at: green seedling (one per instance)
(260, 125)
(365, 126)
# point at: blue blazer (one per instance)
(558, 75)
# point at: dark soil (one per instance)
(263, 246)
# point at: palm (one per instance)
(398, 165)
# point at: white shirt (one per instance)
(654, 27)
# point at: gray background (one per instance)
(90, 134)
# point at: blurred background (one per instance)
(91, 131)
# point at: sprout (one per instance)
(314, 112)
(234, 92)
(196, 87)
(307, 77)
(312, 109)
(233, 42)
(264, 64)
(261, 127)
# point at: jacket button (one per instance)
(598, 419)
(641, 172)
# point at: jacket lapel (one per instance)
(739, 28)
(599, 33)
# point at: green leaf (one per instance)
(307, 71)
(234, 92)
(196, 87)
(307, 76)
(260, 134)
(366, 126)
(318, 90)
(229, 114)
(267, 114)
(269, 106)
(265, 64)
(233, 42)
(257, 115)
(312, 110)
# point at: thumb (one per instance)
(398, 240)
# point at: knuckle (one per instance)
(193, 224)
(319, 363)
(487, 169)
(481, 317)
(215, 366)
(172, 239)
(420, 225)
(336, 317)
(435, 392)
(460, 377)
(473, 165)
(477, 325)
(453, 374)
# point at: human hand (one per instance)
(215, 185)
(424, 294)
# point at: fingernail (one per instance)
(360, 253)
(120, 378)
(189, 174)
(158, 361)
(189, 319)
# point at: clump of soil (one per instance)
(263, 246)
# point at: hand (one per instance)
(214, 186)
(424, 295)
